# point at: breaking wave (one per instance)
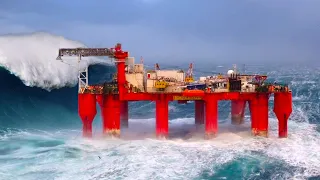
(32, 58)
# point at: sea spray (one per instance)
(40, 133)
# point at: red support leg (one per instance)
(211, 122)
(124, 114)
(282, 109)
(199, 112)
(162, 117)
(99, 98)
(87, 112)
(121, 77)
(87, 128)
(237, 111)
(259, 115)
(111, 115)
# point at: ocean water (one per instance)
(40, 131)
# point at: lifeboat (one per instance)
(193, 92)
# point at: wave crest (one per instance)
(32, 58)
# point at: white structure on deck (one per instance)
(144, 81)
(173, 78)
(135, 74)
(246, 85)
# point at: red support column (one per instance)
(124, 114)
(121, 76)
(99, 98)
(211, 123)
(87, 111)
(199, 112)
(111, 114)
(237, 111)
(259, 114)
(162, 116)
(282, 109)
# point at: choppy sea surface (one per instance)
(40, 131)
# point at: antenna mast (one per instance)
(235, 68)
(244, 68)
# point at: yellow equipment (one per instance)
(161, 84)
(189, 76)
(189, 79)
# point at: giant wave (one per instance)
(31, 57)
(38, 88)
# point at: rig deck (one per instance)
(133, 83)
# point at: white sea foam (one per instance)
(32, 58)
(148, 158)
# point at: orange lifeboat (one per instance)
(193, 93)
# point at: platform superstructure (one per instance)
(132, 82)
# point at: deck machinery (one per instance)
(132, 82)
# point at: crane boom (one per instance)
(115, 52)
(190, 70)
(189, 74)
(85, 52)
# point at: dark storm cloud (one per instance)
(209, 30)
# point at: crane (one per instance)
(156, 66)
(115, 52)
(189, 76)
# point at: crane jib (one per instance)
(86, 52)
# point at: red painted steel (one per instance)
(111, 115)
(189, 93)
(139, 97)
(87, 111)
(237, 111)
(121, 78)
(211, 109)
(259, 114)
(114, 108)
(282, 109)
(121, 56)
(99, 99)
(162, 116)
(245, 96)
(199, 112)
(124, 114)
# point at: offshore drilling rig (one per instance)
(133, 83)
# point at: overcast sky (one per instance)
(179, 30)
